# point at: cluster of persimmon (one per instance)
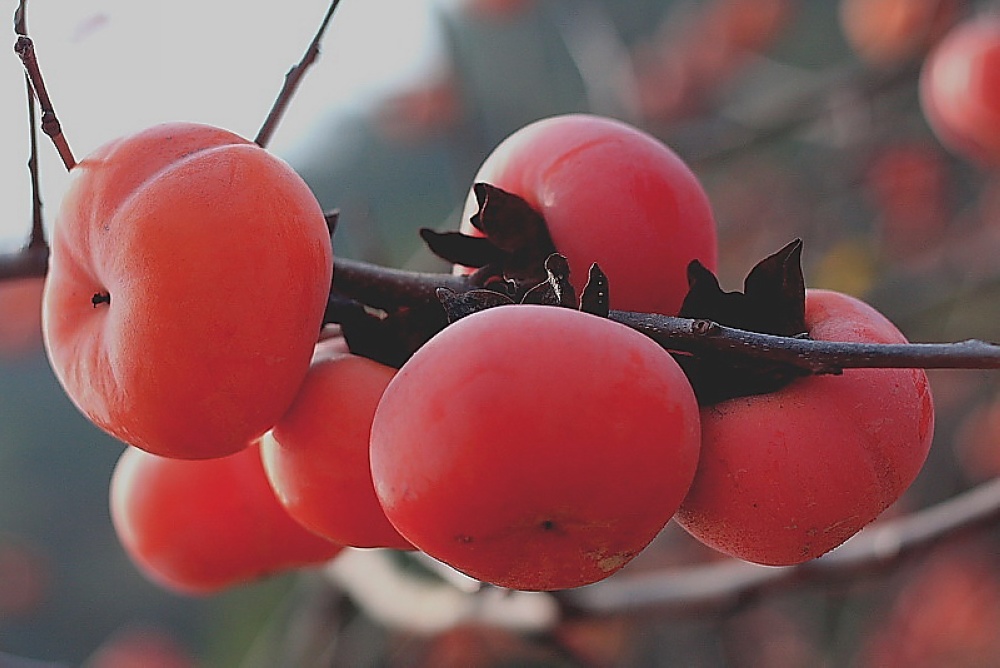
(532, 446)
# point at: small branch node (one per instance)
(704, 327)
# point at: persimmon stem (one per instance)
(292, 80)
(25, 49)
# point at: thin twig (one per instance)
(292, 80)
(37, 238)
(25, 49)
(818, 357)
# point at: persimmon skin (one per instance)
(610, 194)
(785, 477)
(535, 447)
(316, 456)
(188, 276)
(201, 526)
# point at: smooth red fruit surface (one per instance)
(188, 278)
(535, 447)
(316, 456)
(610, 194)
(787, 476)
(960, 89)
(200, 526)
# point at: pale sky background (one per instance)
(115, 66)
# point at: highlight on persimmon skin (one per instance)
(535, 447)
(188, 277)
(316, 456)
(201, 526)
(787, 476)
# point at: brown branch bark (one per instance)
(818, 357)
(37, 237)
(388, 288)
(51, 126)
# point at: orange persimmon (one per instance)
(189, 273)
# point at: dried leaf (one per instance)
(773, 302)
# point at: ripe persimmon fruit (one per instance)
(189, 273)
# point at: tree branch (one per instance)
(25, 49)
(387, 288)
(390, 594)
(817, 357)
(726, 584)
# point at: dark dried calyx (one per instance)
(772, 302)
(514, 245)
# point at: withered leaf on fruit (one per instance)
(514, 245)
(556, 290)
(772, 302)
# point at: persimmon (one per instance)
(535, 447)
(612, 194)
(189, 273)
(960, 89)
(201, 526)
(785, 477)
(316, 456)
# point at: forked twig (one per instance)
(24, 47)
